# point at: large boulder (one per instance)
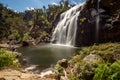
(107, 13)
(63, 63)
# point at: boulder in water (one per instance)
(63, 63)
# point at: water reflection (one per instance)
(46, 54)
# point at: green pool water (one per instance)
(46, 54)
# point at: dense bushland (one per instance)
(34, 24)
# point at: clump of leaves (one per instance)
(14, 35)
(108, 71)
(82, 20)
(7, 59)
(58, 71)
(26, 37)
(75, 59)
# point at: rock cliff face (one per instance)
(89, 31)
(98, 22)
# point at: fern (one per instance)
(107, 71)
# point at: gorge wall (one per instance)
(98, 22)
(109, 22)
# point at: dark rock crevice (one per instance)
(109, 24)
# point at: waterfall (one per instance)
(65, 31)
(97, 21)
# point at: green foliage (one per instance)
(115, 71)
(37, 22)
(101, 49)
(59, 69)
(105, 68)
(75, 59)
(101, 72)
(82, 71)
(107, 71)
(26, 37)
(82, 20)
(14, 35)
(7, 59)
(72, 77)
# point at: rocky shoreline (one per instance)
(87, 59)
(12, 74)
(26, 71)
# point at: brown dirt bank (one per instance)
(12, 74)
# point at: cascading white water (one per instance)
(65, 31)
(97, 21)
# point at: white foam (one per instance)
(42, 74)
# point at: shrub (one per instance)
(108, 71)
(26, 37)
(14, 35)
(58, 71)
(7, 59)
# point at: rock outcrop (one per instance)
(108, 28)
(98, 22)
